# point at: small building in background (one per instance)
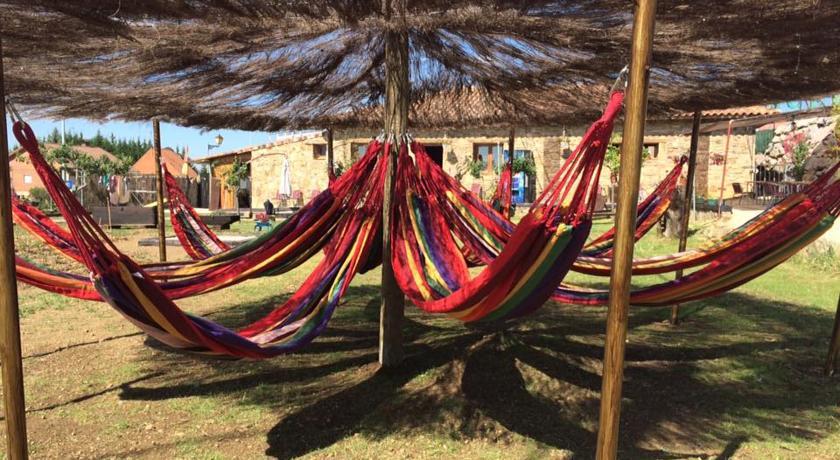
(216, 193)
(175, 163)
(141, 180)
(24, 177)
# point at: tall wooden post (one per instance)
(689, 190)
(159, 175)
(330, 153)
(10, 357)
(625, 224)
(834, 345)
(725, 161)
(397, 94)
(511, 140)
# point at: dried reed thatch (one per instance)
(266, 65)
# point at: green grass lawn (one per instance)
(740, 377)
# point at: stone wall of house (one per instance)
(671, 139)
(308, 173)
(739, 164)
(817, 132)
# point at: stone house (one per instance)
(459, 149)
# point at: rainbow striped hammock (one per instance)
(559, 225)
(200, 242)
(738, 257)
(133, 293)
(195, 237)
(429, 264)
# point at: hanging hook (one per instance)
(621, 76)
(13, 113)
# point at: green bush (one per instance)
(475, 167)
(525, 165)
(41, 198)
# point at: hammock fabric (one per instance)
(752, 250)
(503, 196)
(195, 237)
(759, 225)
(433, 240)
(40, 225)
(648, 213)
(132, 292)
(427, 261)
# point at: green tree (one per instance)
(612, 158)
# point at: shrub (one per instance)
(41, 198)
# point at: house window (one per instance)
(357, 150)
(486, 154)
(319, 151)
(517, 155)
(27, 179)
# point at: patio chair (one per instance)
(297, 198)
(739, 192)
(261, 222)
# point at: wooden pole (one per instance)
(689, 191)
(10, 357)
(397, 93)
(110, 227)
(330, 153)
(834, 345)
(159, 175)
(725, 161)
(511, 140)
(625, 224)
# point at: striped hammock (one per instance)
(195, 237)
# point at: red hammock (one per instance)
(503, 196)
(195, 237)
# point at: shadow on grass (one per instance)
(739, 368)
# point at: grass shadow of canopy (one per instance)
(740, 368)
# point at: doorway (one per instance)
(435, 152)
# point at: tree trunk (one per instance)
(397, 94)
(675, 214)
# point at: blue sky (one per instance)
(170, 135)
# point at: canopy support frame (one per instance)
(625, 219)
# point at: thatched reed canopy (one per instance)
(267, 65)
